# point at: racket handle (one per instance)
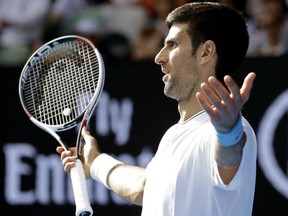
(83, 207)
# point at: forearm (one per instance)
(228, 151)
(228, 159)
(229, 156)
(128, 182)
(125, 180)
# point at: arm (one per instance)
(224, 107)
(128, 182)
(125, 180)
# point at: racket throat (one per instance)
(79, 143)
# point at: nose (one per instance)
(159, 58)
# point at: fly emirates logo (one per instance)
(31, 177)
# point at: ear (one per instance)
(208, 52)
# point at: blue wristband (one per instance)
(231, 137)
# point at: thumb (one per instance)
(247, 86)
(85, 133)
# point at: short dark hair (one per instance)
(222, 24)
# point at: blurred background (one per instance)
(133, 113)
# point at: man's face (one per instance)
(177, 63)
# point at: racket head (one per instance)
(61, 81)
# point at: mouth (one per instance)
(166, 78)
(165, 71)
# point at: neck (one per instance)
(188, 109)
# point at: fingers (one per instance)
(223, 103)
(234, 90)
(247, 86)
(205, 98)
(219, 97)
(89, 152)
(67, 157)
(68, 160)
(59, 149)
(216, 99)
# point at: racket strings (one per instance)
(62, 83)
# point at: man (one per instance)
(206, 163)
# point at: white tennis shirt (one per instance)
(182, 178)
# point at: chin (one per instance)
(169, 94)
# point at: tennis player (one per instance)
(205, 164)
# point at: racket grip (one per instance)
(83, 207)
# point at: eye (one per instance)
(171, 44)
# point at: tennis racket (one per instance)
(59, 88)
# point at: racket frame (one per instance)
(83, 207)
